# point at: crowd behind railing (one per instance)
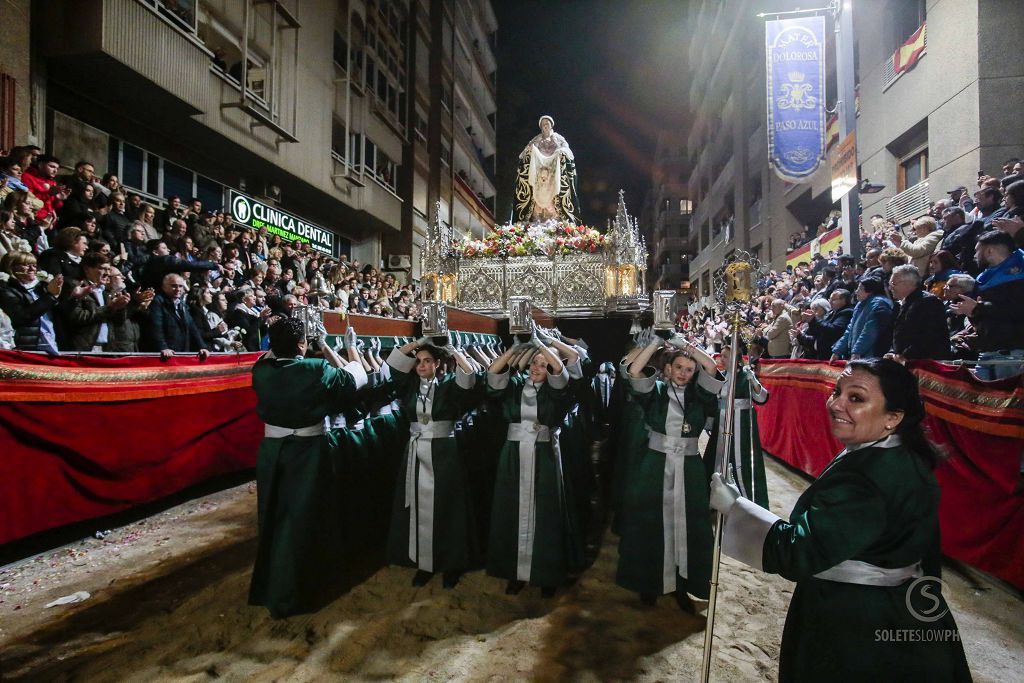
(89, 265)
(952, 290)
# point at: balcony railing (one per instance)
(909, 204)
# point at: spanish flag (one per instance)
(832, 131)
(822, 244)
(907, 55)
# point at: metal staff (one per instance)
(737, 289)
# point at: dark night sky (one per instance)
(612, 73)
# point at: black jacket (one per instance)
(920, 329)
(82, 320)
(827, 331)
(960, 242)
(165, 329)
(25, 313)
(115, 229)
(236, 317)
(999, 317)
(57, 262)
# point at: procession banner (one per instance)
(795, 69)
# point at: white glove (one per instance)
(422, 341)
(351, 337)
(723, 495)
(678, 341)
(543, 336)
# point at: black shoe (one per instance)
(684, 602)
(547, 591)
(514, 587)
(649, 599)
(451, 579)
(422, 578)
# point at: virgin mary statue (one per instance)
(546, 181)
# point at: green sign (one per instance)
(255, 214)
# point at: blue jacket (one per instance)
(870, 332)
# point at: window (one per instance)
(419, 124)
(355, 145)
(340, 50)
(906, 16)
(156, 178)
(913, 169)
(685, 207)
(370, 158)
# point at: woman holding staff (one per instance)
(862, 544)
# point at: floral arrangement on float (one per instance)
(550, 238)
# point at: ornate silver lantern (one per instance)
(312, 318)
(520, 315)
(663, 304)
(435, 319)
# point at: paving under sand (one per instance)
(168, 603)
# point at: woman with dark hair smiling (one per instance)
(862, 544)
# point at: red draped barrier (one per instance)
(979, 425)
(86, 436)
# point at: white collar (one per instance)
(885, 442)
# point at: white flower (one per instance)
(43, 276)
(4, 277)
(21, 245)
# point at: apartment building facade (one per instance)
(665, 216)
(920, 131)
(342, 113)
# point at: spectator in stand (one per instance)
(247, 317)
(173, 212)
(869, 334)
(941, 266)
(997, 314)
(847, 274)
(65, 256)
(822, 333)
(1013, 221)
(955, 286)
(41, 180)
(961, 237)
(919, 330)
(803, 343)
(20, 205)
(891, 257)
(161, 262)
(109, 184)
(87, 317)
(10, 240)
(989, 205)
(778, 331)
(116, 223)
(927, 240)
(170, 328)
(211, 324)
(30, 303)
(147, 216)
(84, 175)
(124, 335)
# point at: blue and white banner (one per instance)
(795, 53)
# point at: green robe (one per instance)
(299, 555)
(533, 538)
(747, 459)
(658, 552)
(431, 520)
(875, 504)
(629, 442)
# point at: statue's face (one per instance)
(545, 126)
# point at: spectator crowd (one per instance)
(953, 288)
(88, 265)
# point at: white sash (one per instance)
(419, 488)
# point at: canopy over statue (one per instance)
(546, 181)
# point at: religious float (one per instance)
(564, 267)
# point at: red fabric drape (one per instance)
(84, 455)
(977, 424)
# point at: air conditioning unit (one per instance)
(399, 262)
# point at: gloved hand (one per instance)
(351, 338)
(542, 335)
(375, 344)
(678, 341)
(422, 341)
(723, 495)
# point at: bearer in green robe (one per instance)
(431, 525)
(746, 460)
(533, 531)
(862, 544)
(666, 540)
(299, 555)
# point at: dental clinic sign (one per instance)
(254, 214)
(795, 53)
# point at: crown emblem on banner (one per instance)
(795, 76)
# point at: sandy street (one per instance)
(168, 603)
